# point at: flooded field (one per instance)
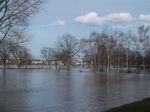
(75, 91)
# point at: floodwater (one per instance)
(51, 91)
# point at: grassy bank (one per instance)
(140, 106)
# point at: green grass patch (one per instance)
(141, 106)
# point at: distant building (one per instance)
(37, 62)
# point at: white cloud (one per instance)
(120, 17)
(59, 23)
(92, 18)
(145, 17)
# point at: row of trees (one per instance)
(100, 52)
(104, 51)
(118, 49)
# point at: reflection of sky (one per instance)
(45, 33)
(73, 91)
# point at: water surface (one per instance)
(74, 91)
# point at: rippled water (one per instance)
(74, 91)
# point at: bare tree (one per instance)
(4, 52)
(110, 44)
(136, 50)
(18, 51)
(14, 14)
(21, 55)
(119, 36)
(48, 54)
(144, 36)
(68, 47)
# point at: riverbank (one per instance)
(140, 106)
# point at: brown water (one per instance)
(74, 91)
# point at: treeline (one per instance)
(118, 50)
(105, 51)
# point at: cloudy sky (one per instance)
(81, 17)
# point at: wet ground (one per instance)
(74, 91)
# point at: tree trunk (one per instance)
(136, 63)
(49, 65)
(4, 64)
(68, 65)
(59, 65)
(56, 64)
(144, 63)
(91, 64)
(108, 62)
(118, 63)
(127, 61)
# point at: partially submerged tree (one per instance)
(14, 43)
(110, 44)
(68, 47)
(18, 50)
(128, 38)
(4, 52)
(144, 38)
(21, 55)
(48, 54)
